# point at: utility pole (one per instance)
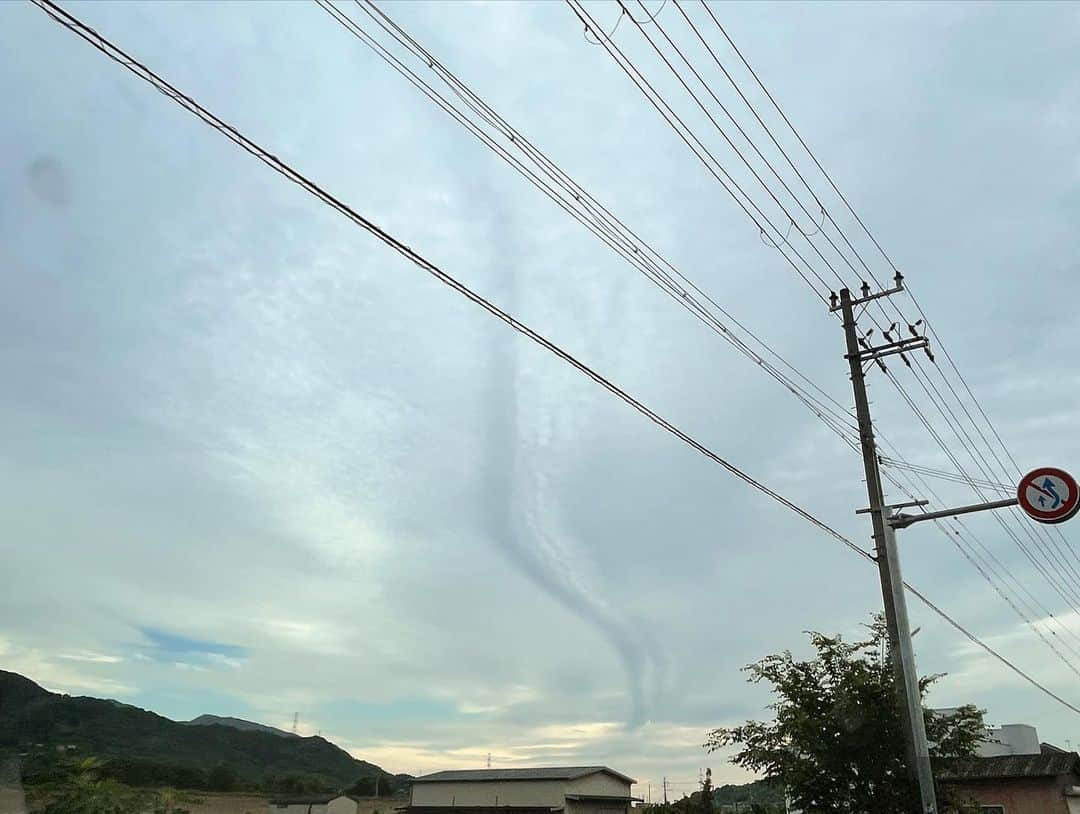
(665, 791)
(860, 351)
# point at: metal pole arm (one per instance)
(911, 343)
(902, 521)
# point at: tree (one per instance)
(85, 792)
(707, 806)
(297, 784)
(836, 741)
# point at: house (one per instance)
(566, 790)
(1043, 783)
(336, 803)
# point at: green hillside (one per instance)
(34, 722)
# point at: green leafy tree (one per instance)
(297, 784)
(707, 802)
(86, 792)
(836, 741)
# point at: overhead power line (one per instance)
(806, 234)
(991, 569)
(278, 165)
(944, 474)
(712, 165)
(1045, 554)
(543, 173)
(604, 224)
(598, 216)
(1045, 534)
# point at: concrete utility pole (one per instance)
(665, 790)
(860, 351)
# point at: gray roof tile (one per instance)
(537, 773)
(1050, 764)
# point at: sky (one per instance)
(254, 463)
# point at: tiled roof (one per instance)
(539, 773)
(1051, 764)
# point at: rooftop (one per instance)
(537, 773)
(1048, 764)
(310, 799)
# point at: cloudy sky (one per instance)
(254, 463)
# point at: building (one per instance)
(1015, 774)
(1007, 739)
(566, 790)
(1010, 739)
(1044, 783)
(336, 803)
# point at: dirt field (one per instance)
(12, 801)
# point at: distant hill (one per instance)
(34, 722)
(239, 723)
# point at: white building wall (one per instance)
(540, 793)
(599, 783)
(342, 805)
(1010, 739)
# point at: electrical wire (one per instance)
(491, 117)
(982, 565)
(649, 18)
(1046, 545)
(1056, 584)
(953, 477)
(706, 157)
(631, 70)
(704, 109)
(1051, 552)
(140, 70)
(284, 169)
(1043, 532)
(594, 215)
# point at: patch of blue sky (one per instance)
(165, 645)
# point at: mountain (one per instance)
(16, 692)
(34, 722)
(239, 723)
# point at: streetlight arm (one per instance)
(902, 521)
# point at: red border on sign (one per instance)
(1059, 515)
